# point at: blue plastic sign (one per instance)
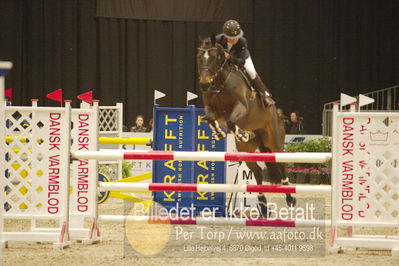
(173, 131)
(208, 172)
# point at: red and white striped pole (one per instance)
(278, 157)
(125, 186)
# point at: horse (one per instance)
(231, 105)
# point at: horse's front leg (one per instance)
(219, 132)
(238, 113)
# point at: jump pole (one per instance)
(125, 141)
(102, 140)
(126, 187)
(282, 157)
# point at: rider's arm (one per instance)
(237, 61)
(238, 58)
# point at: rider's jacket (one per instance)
(238, 52)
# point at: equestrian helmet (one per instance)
(232, 30)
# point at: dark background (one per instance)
(306, 51)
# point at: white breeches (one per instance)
(250, 68)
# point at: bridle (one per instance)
(214, 74)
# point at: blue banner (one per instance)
(173, 131)
(208, 172)
(181, 129)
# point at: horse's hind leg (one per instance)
(277, 174)
(262, 202)
(256, 169)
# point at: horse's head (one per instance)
(210, 59)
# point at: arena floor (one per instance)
(111, 251)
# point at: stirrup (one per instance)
(268, 100)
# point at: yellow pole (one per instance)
(136, 178)
(127, 196)
(103, 140)
(24, 139)
(127, 141)
(16, 150)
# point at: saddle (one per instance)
(265, 100)
(246, 77)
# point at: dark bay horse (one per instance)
(232, 106)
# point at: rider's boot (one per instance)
(263, 91)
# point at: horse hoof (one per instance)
(231, 126)
(264, 212)
(242, 138)
(262, 206)
(219, 135)
(206, 119)
(224, 135)
(245, 137)
(291, 201)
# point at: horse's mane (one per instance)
(208, 42)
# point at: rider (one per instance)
(232, 40)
